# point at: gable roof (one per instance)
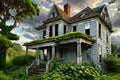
(61, 15)
(86, 13)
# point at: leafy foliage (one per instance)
(6, 32)
(20, 61)
(4, 43)
(113, 48)
(58, 39)
(21, 9)
(112, 63)
(70, 71)
(4, 77)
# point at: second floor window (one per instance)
(50, 31)
(44, 34)
(74, 28)
(99, 30)
(87, 28)
(107, 38)
(56, 30)
(64, 29)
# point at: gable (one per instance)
(52, 13)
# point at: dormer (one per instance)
(53, 12)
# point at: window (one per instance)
(44, 33)
(74, 28)
(107, 38)
(56, 30)
(53, 14)
(87, 28)
(100, 54)
(50, 31)
(64, 29)
(99, 30)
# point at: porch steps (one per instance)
(37, 71)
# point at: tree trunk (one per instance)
(2, 59)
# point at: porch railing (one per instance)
(49, 64)
(31, 67)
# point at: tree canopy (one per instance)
(17, 11)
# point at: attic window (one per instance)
(53, 14)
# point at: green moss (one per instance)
(58, 39)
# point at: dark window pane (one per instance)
(64, 29)
(44, 33)
(74, 28)
(87, 31)
(50, 31)
(56, 30)
(99, 30)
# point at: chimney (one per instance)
(67, 9)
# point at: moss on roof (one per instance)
(58, 39)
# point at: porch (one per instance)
(73, 50)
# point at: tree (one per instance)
(17, 11)
(113, 48)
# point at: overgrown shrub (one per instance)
(112, 63)
(20, 61)
(70, 71)
(4, 77)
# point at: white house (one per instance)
(68, 38)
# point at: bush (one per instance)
(4, 77)
(70, 71)
(20, 61)
(112, 63)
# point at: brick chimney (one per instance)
(67, 9)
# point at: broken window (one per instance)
(74, 28)
(99, 30)
(64, 29)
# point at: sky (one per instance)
(26, 30)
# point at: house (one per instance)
(84, 37)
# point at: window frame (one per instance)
(44, 34)
(74, 28)
(50, 31)
(65, 28)
(56, 29)
(99, 30)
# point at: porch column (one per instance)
(48, 54)
(26, 50)
(42, 54)
(37, 57)
(53, 52)
(79, 56)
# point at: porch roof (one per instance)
(59, 39)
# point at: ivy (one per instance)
(70, 71)
(63, 37)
